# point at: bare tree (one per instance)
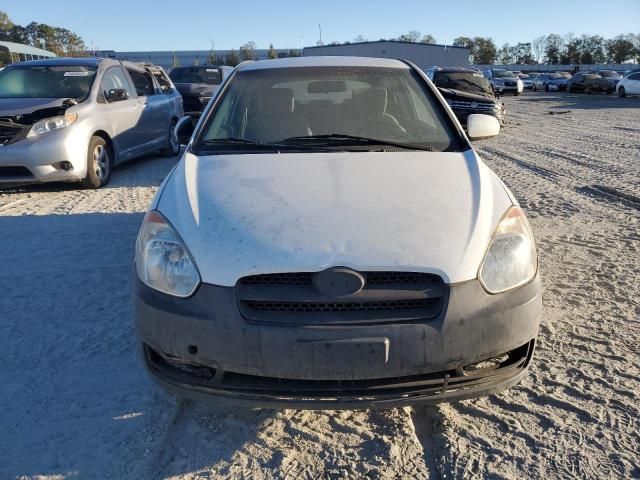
(538, 47)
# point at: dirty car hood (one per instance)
(413, 211)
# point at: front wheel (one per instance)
(99, 164)
(515, 94)
(621, 92)
(172, 147)
(534, 88)
(546, 88)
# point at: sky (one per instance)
(126, 25)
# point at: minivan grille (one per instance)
(10, 131)
(293, 298)
(472, 105)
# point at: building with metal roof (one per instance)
(11, 52)
(424, 55)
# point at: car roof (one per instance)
(63, 61)
(458, 69)
(328, 61)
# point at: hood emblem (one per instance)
(338, 281)
(474, 104)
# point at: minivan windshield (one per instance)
(57, 81)
(608, 74)
(503, 74)
(473, 82)
(328, 107)
(208, 75)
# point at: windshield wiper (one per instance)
(340, 139)
(251, 144)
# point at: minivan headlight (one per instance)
(162, 259)
(510, 260)
(52, 123)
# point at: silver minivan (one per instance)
(74, 119)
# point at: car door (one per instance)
(152, 127)
(577, 82)
(632, 85)
(122, 113)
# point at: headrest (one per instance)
(372, 100)
(275, 101)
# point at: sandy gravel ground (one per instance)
(77, 404)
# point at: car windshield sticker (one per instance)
(76, 74)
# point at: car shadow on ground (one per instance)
(78, 402)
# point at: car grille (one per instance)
(15, 173)
(510, 84)
(11, 132)
(293, 298)
(472, 105)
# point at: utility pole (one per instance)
(321, 45)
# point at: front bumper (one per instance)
(201, 347)
(40, 159)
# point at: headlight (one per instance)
(162, 260)
(511, 259)
(51, 124)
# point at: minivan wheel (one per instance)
(173, 145)
(621, 92)
(99, 164)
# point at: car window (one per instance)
(634, 76)
(209, 75)
(163, 80)
(114, 79)
(142, 82)
(503, 74)
(46, 81)
(271, 105)
(473, 82)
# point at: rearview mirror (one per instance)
(482, 126)
(184, 129)
(116, 95)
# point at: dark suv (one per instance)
(467, 91)
(197, 84)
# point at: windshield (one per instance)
(608, 73)
(555, 76)
(210, 76)
(592, 76)
(46, 81)
(473, 82)
(268, 106)
(503, 74)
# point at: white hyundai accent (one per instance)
(330, 239)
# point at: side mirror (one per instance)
(482, 126)
(184, 129)
(116, 95)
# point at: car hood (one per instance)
(267, 213)
(22, 106)
(453, 94)
(201, 89)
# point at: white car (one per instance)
(629, 85)
(330, 239)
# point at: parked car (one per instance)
(330, 239)
(467, 92)
(549, 82)
(589, 83)
(629, 85)
(527, 80)
(611, 76)
(74, 119)
(504, 81)
(197, 84)
(566, 75)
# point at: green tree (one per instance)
(293, 53)
(553, 48)
(247, 51)
(428, 38)
(505, 54)
(232, 59)
(272, 52)
(483, 50)
(621, 48)
(6, 25)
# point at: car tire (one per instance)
(546, 88)
(621, 92)
(99, 163)
(588, 90)
(534, 88)
(515, 94)
(172, 148)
